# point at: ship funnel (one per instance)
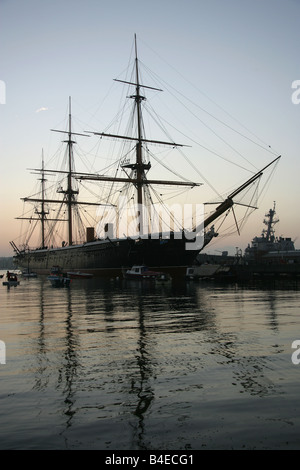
(90, 234)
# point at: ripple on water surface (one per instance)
(124, 365)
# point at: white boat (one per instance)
(142, 272)
(206, 271)
(27, 273)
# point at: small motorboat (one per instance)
(59, 281)
(57, 278)
(12, 280)
(143, 273)
(28, 273)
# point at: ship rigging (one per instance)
(111, 248)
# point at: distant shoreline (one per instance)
(6, 262)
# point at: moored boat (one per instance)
(205, 271)
(57, 278)
(29, 274)
(268, 248)
(11, 283)
(59, 281)
(144, 273)
(12, 280)
(269, 256)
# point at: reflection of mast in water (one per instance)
(70, 367)
(42, 350)
(272, 311)
(142, 387)
(68, 370)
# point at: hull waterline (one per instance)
(111, 257)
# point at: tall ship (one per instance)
(132, 225)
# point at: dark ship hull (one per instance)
(110, 257)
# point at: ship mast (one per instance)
(270, 222)
(139, 157)
(139, 166)
(70, 192)
(42, 212)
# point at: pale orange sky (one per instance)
(243, 55)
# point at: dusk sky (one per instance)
(242, 55)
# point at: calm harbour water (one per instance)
(118, 365)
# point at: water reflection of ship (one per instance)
(82, 389)
(68, 356)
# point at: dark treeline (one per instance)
(6, 263)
